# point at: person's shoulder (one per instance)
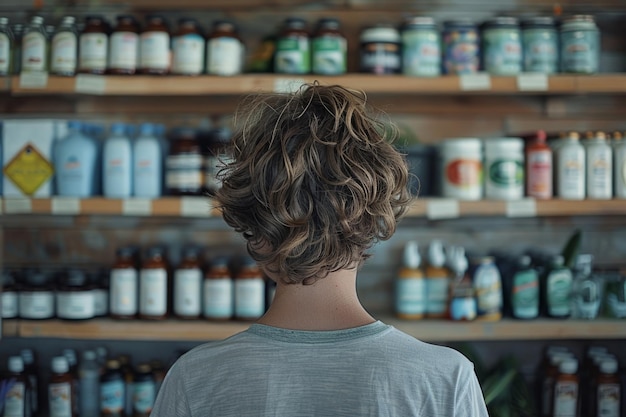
(198, 356)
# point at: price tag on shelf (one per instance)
(137, 207)
(526, 207)
(287, 85)
(33, 80)
(62, 205)
(195, 207)
(18, 205)
(437, 209)
(532, 82)
(475, 82)
(90, 84)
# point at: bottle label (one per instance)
(184, 180)
(559, 289)
(112, 397)
(5, 54)
(124, 51)
(93, 51)
(184, 162)
(123, 300)
(421, 53)
(34, 52)
(188, 54)
(580, 50)
(487, 285)
(144, 394)
(609, 397)
(15, 399)
(75, 305)
(461, 51)
(540, 50)
(464, 173)
(292, 56)
(565, 399)
(329, 55)
(154, 50)
(571, 174)
(249, 297)
(503, 51)
(525, 299)
(506, 173)
(100, 302)
(187, 292)
(60, 399)
(381, 58)
(539, 174)
(36, 305)
(153, 292)
(218, 298)
(437, 291)
(64, 51)
(225, 56)
(600, 173)
(9, 304)
(411, 296)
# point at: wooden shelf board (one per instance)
(10, 327)
(428, 330)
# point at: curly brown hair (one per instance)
(314, 181)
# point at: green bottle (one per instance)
(558, 289)
(524, 290)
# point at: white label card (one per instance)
(18, 205)
(195, 207)
(90, 84)
(442, 209)
(526, 207)
(65, 206)
(137, 207)
(473, 82)
(33, 80)
(287, 85)
(532, 82)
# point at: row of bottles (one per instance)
(145, 287)
(569, 387)
(94, 386)
(454, 286)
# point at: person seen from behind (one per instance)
(313, 185)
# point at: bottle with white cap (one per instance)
(60, 389)
(571, 168)
(17, 398)
(437, 280)
(599, 168)
(608, 391)
(566, 390)
(410, 286)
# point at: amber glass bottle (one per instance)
(93, 48)
(188, 285)
(154, 47)
(218, 291)
(153, 285)
(123, 46)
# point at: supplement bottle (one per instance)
(619, 166)
(36, 296)
(566, 389)
(218, 291)
(117, 162)
(558, 289)
(502, 46)
(504, 166)
(184, 173)
(524, 290)
(551, 370)
(154, 47)
(462, 168)
(421, 47)
(487, 284)
(461, 295)
(75, 163)
(74, 296)
(293, 50)
(571, 168)
(124, 46)
(89, 385)
(188, 48)
(17, 396)
(437, 280)
(64, 49)
(147, 163)
(224, 50)
(580, 45)
(144, 391)
(124, 285)
(61, 389)
(153, 285)
(35, 47)
(329, 48)
(249, 291)
(188, 285)
(380, 50)
(93, 46)
(461, 50)
(6, 47)
(539, 168)
(9, 294)
(112, 390)
(410, 285)
(608, 390)
(540, 45)
(599, 168)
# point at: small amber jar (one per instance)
(293, 51)
(153, 285)
(123, 285)
(154, 46)
(93, 46)
(184, 170)
(188, 285)
(249, 291)
(123, 46)
(188, 48)
(218, 291)
(75, 296)
(329, 48)
(225, 49)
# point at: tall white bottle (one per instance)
(117, 157)
(599, 168)
(571, 168)
(147, 163)
(75, 163)
(619, 167)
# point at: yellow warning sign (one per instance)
(29, 169)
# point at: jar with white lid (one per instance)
(504, 168)
(461, 168)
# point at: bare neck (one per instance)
(330, 303)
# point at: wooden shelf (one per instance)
(10, 327)
(428, 330)
(393, 84)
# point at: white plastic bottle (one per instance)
(410, 284)
(571, 168)
(147, 163)
(75, 159)
(117, 164)
(619, 168)
(599, 168)
(89, 385)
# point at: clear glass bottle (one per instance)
(35, 47)
(64, 54)
(6, 47)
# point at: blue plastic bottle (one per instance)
(75, 163)
(117, 157)
(147, 163)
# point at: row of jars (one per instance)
(147, 288)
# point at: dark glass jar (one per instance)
(184, 166)
(380, 50)
(36, 296)
(9, 294)
(249, 291)
(188, 48)
(293, 51)
(154, 46)
(93, 46)
(144, 390)
(75, 296)
(153, 285)
(218, 291)
(225, 49)
(123, 46)
(329, 48)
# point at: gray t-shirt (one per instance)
(372, 370)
